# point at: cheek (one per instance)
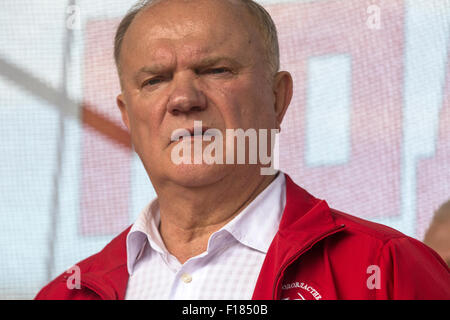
(146, 112)
(139, 123)
(248, 106)
(143, 127)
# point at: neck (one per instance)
(190, 215)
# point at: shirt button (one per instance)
(186, 278)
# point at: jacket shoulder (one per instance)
(410, 269)
(110, 258)
(364, 228)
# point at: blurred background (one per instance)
(368, 128)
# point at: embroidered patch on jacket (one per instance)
(300, 291)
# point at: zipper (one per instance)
(298, 254)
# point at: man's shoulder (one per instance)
(307, 212)
(101, 264)
(365, 237)
(110, 257)
(360, 227)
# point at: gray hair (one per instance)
(263, 19)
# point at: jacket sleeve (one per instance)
(412, 271)
(58, 290)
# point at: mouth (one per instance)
(192, 132)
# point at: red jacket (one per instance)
(318, 253)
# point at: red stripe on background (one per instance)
(106, 127)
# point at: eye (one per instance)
(152, 82)
(217, 70)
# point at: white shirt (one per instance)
(227, 270)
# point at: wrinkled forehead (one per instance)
(203, 24)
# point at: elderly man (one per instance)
(224, 230)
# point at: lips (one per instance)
(181, 133)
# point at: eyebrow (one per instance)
(210, 61)
(151, 69)
(203, 63)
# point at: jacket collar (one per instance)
(306, 221)
(305, 217)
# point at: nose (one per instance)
(185, 97)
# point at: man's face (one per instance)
(192, 60)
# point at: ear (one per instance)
(123, 110)
(282, 88)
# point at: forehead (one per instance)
(184, 16)
(196, 26)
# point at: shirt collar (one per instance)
(144, 230)
(258, 223)
(254, 227)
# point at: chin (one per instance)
(198, 175)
